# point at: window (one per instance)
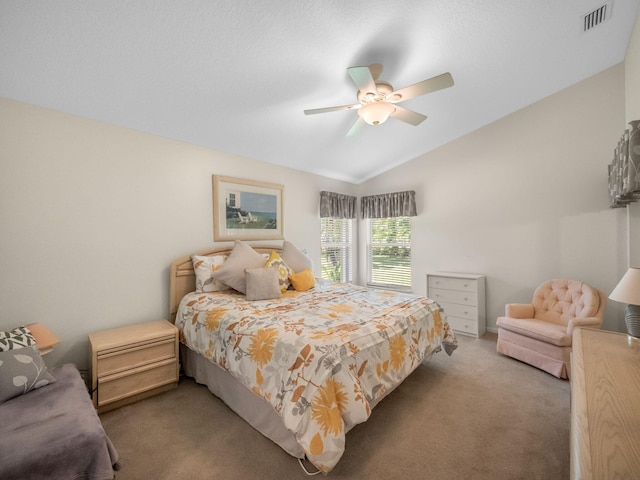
(335, 243)
(389, 252)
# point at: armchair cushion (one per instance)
(543, 331)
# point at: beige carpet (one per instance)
(474, 415)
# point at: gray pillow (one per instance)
(232, 270)
(263, 283)
(21, 371)
(294, 258)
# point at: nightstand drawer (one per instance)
(448, 283)
(135, 355)
(453, 296)
(125, 384)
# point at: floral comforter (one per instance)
(322, 358)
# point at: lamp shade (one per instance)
(376, 113)
(628, 288)
(44, 337)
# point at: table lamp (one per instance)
(44, 337)
(628, 291)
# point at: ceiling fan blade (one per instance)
(313, 111)
(421, 88)
(408, 116)
(363, 79)
(376, 70)
(356, 127)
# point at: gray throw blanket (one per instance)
(54, 432)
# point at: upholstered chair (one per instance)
(539, 333)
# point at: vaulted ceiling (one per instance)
(236, 75)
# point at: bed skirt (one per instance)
(256, 411)
(252, 408)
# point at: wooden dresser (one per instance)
(462, 297)
(134, 362)
(605, 405)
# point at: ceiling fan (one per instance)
(377, 100)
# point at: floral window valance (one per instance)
(387, 205)
(337, 205)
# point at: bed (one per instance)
(54, 432)
(304, 368)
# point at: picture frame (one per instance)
(247, 209)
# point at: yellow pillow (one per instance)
(303, 281)
(283, 270)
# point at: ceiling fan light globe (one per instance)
(376, 113)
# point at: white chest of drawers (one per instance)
(462, 297)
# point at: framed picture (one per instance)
(246, 210)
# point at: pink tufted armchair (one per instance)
(539, 333)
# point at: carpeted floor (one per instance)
(474, 415)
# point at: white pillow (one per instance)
(204, 268)
(294, 258)
(232, 271)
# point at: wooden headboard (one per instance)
(183, 278)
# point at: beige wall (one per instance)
(632, 74)
(523, 199)
(92, 215)
(632, 110)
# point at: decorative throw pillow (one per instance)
(263, 283)
(303, 281)
(21, 371)
(19, 337)
(294, 258)
(204, 268)
(231, 272)
(283, 270)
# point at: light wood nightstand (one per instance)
(605, 411)
(132, 363)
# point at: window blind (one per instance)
(390, 252)
(336, 249)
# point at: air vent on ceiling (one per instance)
(596, 16)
